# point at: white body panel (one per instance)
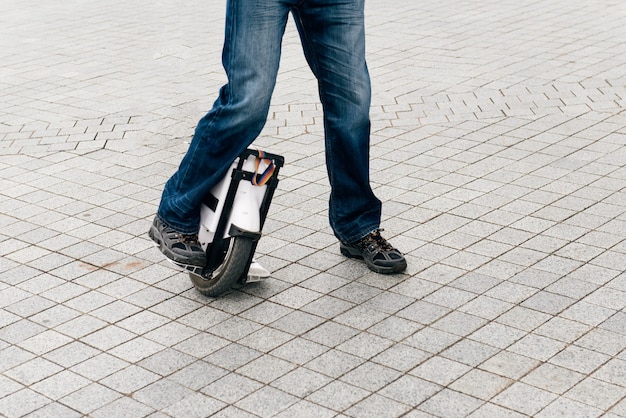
(246, 208)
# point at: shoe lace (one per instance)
(189, 238)
(374, 241)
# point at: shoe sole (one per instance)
(353, 253)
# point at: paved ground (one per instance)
(499, 133)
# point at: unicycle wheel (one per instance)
(226, 275)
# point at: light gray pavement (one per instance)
(499, 133)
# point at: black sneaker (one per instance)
(182, 249)
(377, 253)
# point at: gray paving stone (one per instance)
(490, 410)
(301, 382)
(376, 406)
(123, 406)
(22, 403)
(54, 409)
(338, 396)
(90, 398)
(232, 356)
(266, 401)
(524, 398)
(306, 409)
(553, 378)
(450, 404)
(596, 393)
(161, 394)
(197, 375)
(401, 357)
(334, 363)
(299, 350)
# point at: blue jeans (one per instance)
(333, 38)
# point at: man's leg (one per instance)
(250, 57)
(333, 38)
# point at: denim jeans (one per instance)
(333, 38)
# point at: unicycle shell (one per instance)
(231, 219)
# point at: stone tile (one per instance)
(537, 347)
(371, 376)
(480, 384)
(587, 313)
(331, 334)
(197, 375)
(89, 398)
(60, 385)
(306, 409)
(44, 342)
(616, 323)
(553, 378)
(338, 396)
(395, 328)
(99, 366)
(579, 359)
(130, 379)
(31, 372)
(166, 362)
(440, 370)
(423, 312)
(459, 323)
(509, 365)
(195, 405)
(596, 393)
(562, 329)
(170, 334)
(232, 356)
(360, 317)
(295, 297)
(401, 357)
(161, 394)
(108, 337)
(450, 403)
(547, 302)
(298, 323)
(524, 398)
(71, 354)
(365, 346)
(231, 388)
(301, 382)
(8, 386)
(432, 340)
(328, 307)
(613, 372)
(266, 312)
(54, 410)
(492, 410)
(497, 335)
(266, 401)
(410, 390)
(334, 363)
(566, 407)
(22, 403)
(124, 406)
(299, 351)
(376, 406)
(266, 368)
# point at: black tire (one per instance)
(228, 273)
